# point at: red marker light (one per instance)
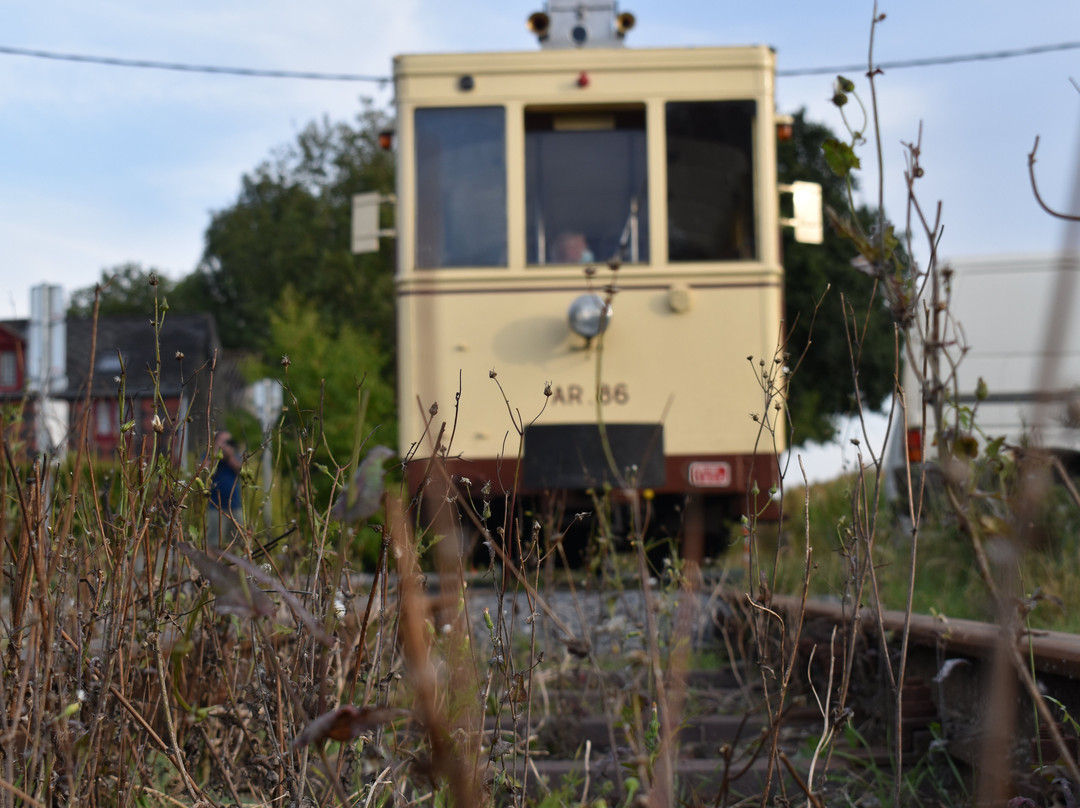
(583, 79)
(785, 128)
(914, 445)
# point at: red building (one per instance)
(15, 419)
(12, 356)
(123, 372)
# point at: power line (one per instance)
(935, 60)
(316, 76)
(188, 68)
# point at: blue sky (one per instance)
(100, 165)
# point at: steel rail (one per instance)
(1051, 652)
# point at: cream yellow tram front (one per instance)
(522, 178)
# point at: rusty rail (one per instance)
(1052, 652)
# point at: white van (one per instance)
(1018, 317)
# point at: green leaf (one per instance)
(652, 732)
(840, 157)
(851, 735)
(888, 246)
(891, 241)
(843, 225)
(966, 446)
(181, 649)
(363, 496)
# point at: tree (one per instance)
(822, 388)
(325, 367)
(125, 289)
(290, 227)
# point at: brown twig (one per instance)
(1035, 189)
(810, 795)
(18, 792)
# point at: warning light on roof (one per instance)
(539, 23)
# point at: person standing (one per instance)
(225, 513)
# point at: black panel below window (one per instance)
(572, 456)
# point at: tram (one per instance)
(588, 250)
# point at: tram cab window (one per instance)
(586, 186)
(460, 187)
(710, 171)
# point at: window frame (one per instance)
(750, 209)
(9, 370)
(428, 172)
(567, 122)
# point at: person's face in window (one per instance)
(571, 248)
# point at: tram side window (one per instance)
(710, 169)
(460, 187)
(586, 186)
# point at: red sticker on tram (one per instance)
(710, 474)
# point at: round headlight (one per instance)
(589, 315)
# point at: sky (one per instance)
(102, 165)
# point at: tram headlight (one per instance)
(589, 315)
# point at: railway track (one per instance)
(590, 709)
(1051, 652)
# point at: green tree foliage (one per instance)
(290, 227)
(327, 369)
(822, 387)
(127, 289)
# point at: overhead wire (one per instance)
(355, 77)
(929, 61)
(191, 68)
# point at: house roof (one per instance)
(129, 343)
(16, 328)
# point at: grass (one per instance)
(138, 669)
(946, 579)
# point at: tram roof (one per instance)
(612, 72)
(544, 60)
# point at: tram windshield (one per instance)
(710, 176)
(460, 187)
(586, 186)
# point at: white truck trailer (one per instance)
(1014, 331)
